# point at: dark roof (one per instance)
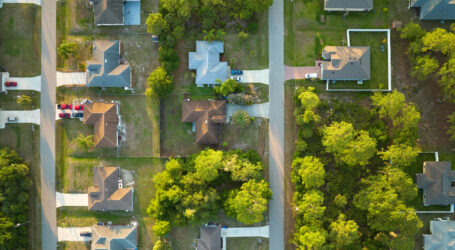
(105, 69)
(207, 117)
(437, 182)
(210, 238)
(114, 237)
(435, 9)
(349, 4)
(105, 120)
(105, 194)
(345, 63)
(108, 12)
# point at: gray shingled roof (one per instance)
(108, 12)
(210, 238)
(114, 237)
(442, 237)
(349, 4)
(206, 62)
(435, 9)
(105, 70)
(437, 182)
(345, 63)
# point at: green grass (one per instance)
(9, 101)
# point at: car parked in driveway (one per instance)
(311, 75)
(236, 72)
(237, 78)
(10, 84)
(64, 115)
(79, 107)
(86, 234)
(64, 106)
(12, 118)
(77, 115)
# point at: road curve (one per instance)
(276, 124)
(47, 126)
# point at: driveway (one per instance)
(73, 233)
(71, 200)
(26, 83)
(254, 76)
(71, 79)
(23, 116)
(255, 110)
(299, 72)
(245, 232)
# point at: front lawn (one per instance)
(9, 101)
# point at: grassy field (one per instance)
(9, 101)
(25, 142)
(20, 43)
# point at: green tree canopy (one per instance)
(241, 118)
(439, 40)
(24, 100)
(207, 164)
(161, 245)
(401, 155)
(310, 237)
(344, 232)
(156, 23)
(161, 228)
(159, 82)
(412, 31)
(228, 87)
(310, 207)
(85, 142)
(309, 172)
(424, 66)
(242, 169)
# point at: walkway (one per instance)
(255, 110)
(47, 129)
(26, 83)
(243, 232)
(255, 76)
(71, 79)
(73, 233)
(299, 72)
(23, 116)
(276, 124)
(71, 200)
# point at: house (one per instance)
(342, 63)
(442, 235)
(434, 9)
(207, 117)
(108, 192)
(210, 238)
(348, 5)
(108, 68)
(207, 63)
(104, 117)
(115, 237)
(116, 12)
(437, 182)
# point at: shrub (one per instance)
(159, 82)
(242, 99)
(241, 118)
(253, 27)
(24, 100)
(242, 35)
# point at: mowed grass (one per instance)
(9, 101)
(20, 42)
(25, 141)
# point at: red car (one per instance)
(10, 84)
(64, 106)
(64, 115)
(79, 107)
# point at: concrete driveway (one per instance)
(245, 232)
(26, 83)
(255, 110)
(299, 72)
(73, 233)
(71, 79)
(253, 76)
(23, 116)
(71, 200)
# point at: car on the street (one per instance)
(12, 118)
(10, 84)
(77, 115)
(79, 107)
(86, 234)
(64, 106)
(64, 115)
(237, 78)
(311, 75)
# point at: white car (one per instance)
(12, 118)
(311, 75)
(237, 78)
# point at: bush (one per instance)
(228, 87)
(242, 99)
(241, 118)
(159, 82)
(242, 35)
(253, 27)
(24, 100)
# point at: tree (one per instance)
(168, 58)
(241, 118)
(412, 31)
(424, 66)
(180, 8)
(447, 80)
(249, 204)
(245, 9)
(401, 155)
(24, 100)
(156, 23)
(242, 169)
(439, 40)
(310, 207)
(161, 228)
(207, 164)
(85, 142)
(309, 101)
(67, 49)
(159, 82)
(228, 87)
(310, 172)
(242, 35)
(340, 200)
(7, 239)
(344, 232)
(310, 237)
(214, 34)
(161, 245)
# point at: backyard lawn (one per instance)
(20, 43)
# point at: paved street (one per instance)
(71, 200)
(255, 110)
(47, 129)
(276, 124)
(22, 116)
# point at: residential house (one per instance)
(116, 12)
(348, 5)
(342, 63)
(442, 235)
(115, 237)
(105, 118)
(108, 192)
(434, 9)
(207, 63)
(437, 182)
(207, 117)
(108, 68)
(210, 238)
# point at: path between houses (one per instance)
(296, 73)
(71, 200)
(255, 110)
(23, 116)
(73, 233)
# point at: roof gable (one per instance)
(206, 62)
(346, 63)
(108, 12)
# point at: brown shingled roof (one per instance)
(105, 120)
(207, 116)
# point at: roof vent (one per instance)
(105, 60)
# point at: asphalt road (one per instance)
(47, 129)
(276, 124)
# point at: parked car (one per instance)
(79, 107)
(12, 118)
(237, 78)
(236, 72)
(86, 234)
(64, 115)
(64, 106)
(239, 72)
(10, 84)
(311, 75)
(77, 115)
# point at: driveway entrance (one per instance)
(71, 200)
